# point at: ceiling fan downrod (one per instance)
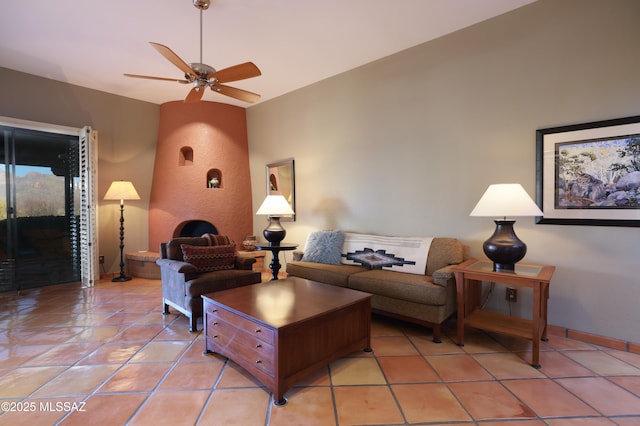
(202, 5)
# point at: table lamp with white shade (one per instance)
(275, 206)
(504, 200)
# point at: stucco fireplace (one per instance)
(201, 172)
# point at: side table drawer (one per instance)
(256, 329)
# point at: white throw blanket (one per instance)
(401, 254)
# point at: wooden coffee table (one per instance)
(282, 331)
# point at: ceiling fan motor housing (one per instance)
(203, 70)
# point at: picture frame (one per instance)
(589, 173)
(281, 179)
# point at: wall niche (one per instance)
(186, 156)
(214, 178)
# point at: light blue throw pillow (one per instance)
(324, 247)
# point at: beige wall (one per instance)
(408, 144)
(127, 134)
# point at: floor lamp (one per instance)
(121, 190)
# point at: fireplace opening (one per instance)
(195, 228)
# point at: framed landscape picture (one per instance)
(589, 174)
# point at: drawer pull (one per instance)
(214, 310)
(215, 323)
(259, 361)
(258, 330)
(215, 336)
(258, 346)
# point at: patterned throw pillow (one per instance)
(210, 258)
(324, 247)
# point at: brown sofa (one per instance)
(184, 283)
(427, 299)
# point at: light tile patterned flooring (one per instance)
(106, 355)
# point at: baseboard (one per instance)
(594, 339)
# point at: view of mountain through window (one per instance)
(38, 191)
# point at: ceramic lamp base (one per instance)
(504, 247)
(274, 233)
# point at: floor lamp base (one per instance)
(121, 279)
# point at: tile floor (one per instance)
(106, 355)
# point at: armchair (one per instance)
(193, 266)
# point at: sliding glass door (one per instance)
(39, 209)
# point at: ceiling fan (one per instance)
(201, 75)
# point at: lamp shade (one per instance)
(275, 205)
(506, 199)
(121, 190)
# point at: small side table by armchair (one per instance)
(275, 251)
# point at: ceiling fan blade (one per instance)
(195, 94)
(173, 58)
(234, 92)
(156, 78)
(236, 72)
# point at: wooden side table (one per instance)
(469, 277)
(275, 250)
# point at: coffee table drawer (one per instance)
(256, 355)
(219, 328)
(258, 330)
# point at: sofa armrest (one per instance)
(244, 262)
(443, 275)
(297, 255)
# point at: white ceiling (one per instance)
(91, 43)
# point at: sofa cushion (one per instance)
(409, 287)
(324, 273)
(324, 247)
(210, 258)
